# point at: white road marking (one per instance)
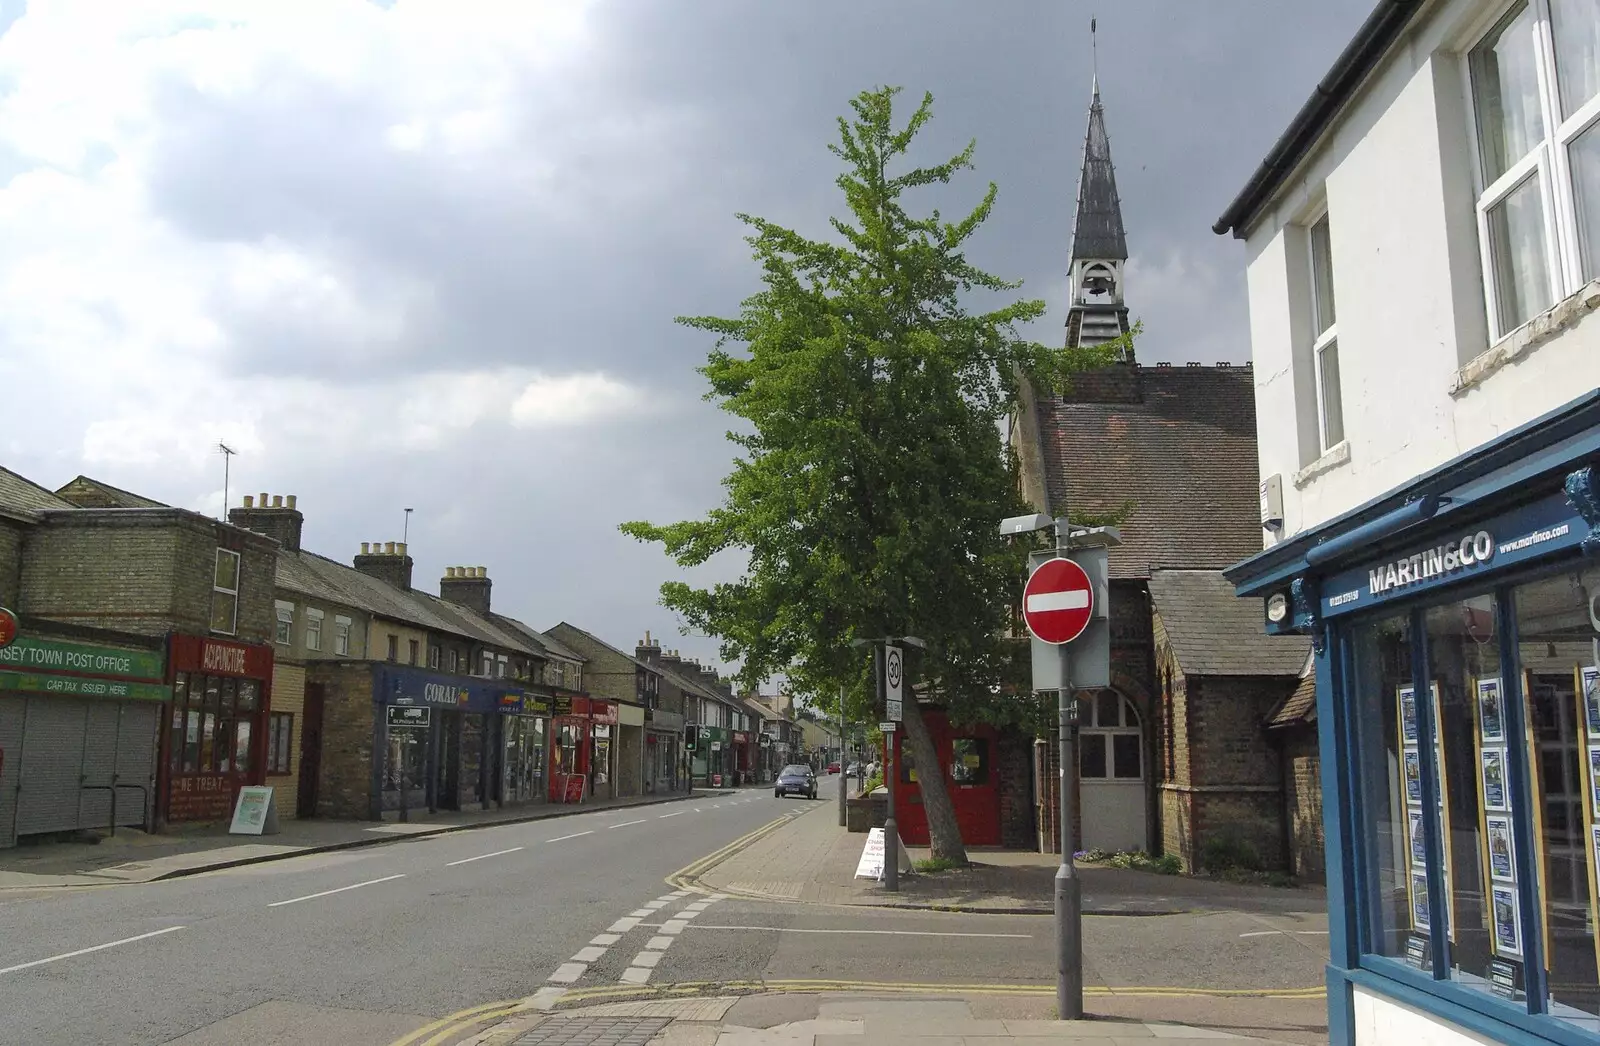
(674, 895)
(635, 975)
(675, 813)
(589, 954)
(568, 972)
(719, 897)
(86, 951)
(342, 889)
(873, 933)
(469, 860)
(606, 939)
(625, 824)
(690, 914)
(574, 835)
(697, 809)
(641, 913)
(1274, 933)
(700, 906)
(622, 925)
(655, 906)
(1045, 602)
(648, 959)
(545, 998)
(674, 926)
(659, 944)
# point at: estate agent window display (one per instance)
(1504, 765)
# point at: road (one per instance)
(353, 947)
(363, 947)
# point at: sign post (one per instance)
(891, 830)
(1063, 604)
(893, 676)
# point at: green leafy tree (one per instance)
(872, 475)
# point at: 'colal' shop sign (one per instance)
(1452, 557)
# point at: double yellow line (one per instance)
(446, 1028)
(691, 988)
(688, 877)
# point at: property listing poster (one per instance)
(1495, 821)
(1416, 847)
(1588, 690)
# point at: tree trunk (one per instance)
(944, 833)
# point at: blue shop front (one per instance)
(440, 738)
(1456, 629)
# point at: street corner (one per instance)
(691, 876)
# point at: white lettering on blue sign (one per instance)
(1538, 537)
(1344, 597)
(1471, 550)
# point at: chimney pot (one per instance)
(449, 571)
(388, 548)
(291, 500)
(402, 547)
(277, 501)
(249, 502)
(261, 499)
(366, 547)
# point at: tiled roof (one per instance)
(1215, 633)
(25, 495)
(536, 638)
(1179, 443)
(1299, 707)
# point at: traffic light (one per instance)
(691, 737)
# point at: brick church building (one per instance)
(1202, 744)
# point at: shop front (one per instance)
(80, 722)
(569, 749)
(604, 725)
(709, 762)
(217, 737)
(524, 742)
(434, 733)
(663, 756)
(1456, 630)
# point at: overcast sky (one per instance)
(427, 253)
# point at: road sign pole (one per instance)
(842, 788)
(1068, 888)
(891, 831)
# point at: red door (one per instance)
(967, 759)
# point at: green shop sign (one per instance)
(73, 686)
(51, 655)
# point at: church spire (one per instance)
(1098, 313)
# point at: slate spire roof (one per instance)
(1097, 232)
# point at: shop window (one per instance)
(280, 731)
(313, 629)
(969, 761)
(225, 593)
(1385, 710)
(341, 636)
(283, 634)
(1556, 636)
(1469, 722)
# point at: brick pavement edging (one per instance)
(544, 814)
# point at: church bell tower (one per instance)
(1098, 313)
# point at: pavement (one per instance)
(438, 940)
(132, 856)
(814, 861)
(833, 1020)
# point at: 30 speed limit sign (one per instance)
(893, 680)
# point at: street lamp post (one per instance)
(842, 788)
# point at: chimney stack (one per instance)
(381, 560)
(466, 587)
(281, 523)
(648, 650)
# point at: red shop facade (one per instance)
(216, 736)
(583, 735)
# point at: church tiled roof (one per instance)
(1179, 443)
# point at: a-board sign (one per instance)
(255, 812)
(871, 863)
(408, 716)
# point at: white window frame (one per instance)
(1326, 339)
(313, 628)
(217, 589)
(283, 632)
(577, 679)
(341, 635)
(433, 655)
(1549, 161)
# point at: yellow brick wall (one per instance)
(288, 695)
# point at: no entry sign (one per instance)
(1058, 601)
